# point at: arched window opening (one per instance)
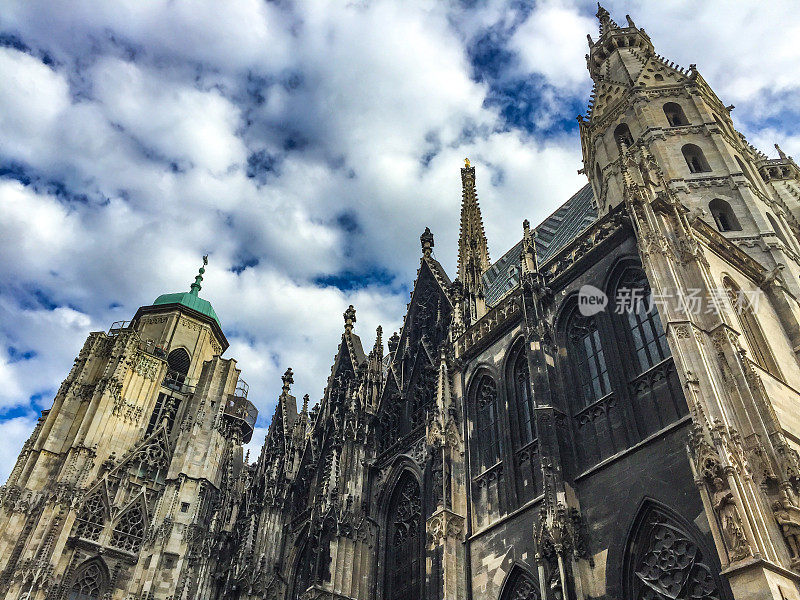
(90, 582)
(778, 230)
(760, 350)
(622, 135)
(404, 541)
(695, 159)
(302, 574)
(723, 215)
(129, 530)
(178, 362)
(663, 561)
(165, 409)
(488, 430)
(523, 399)
(520, 585)
(588, 358)
(675, 115)
(658, 77)
(745, 171)
(91, 517)
(633, 300)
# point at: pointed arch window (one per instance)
(588, 359)
(633, 301)
(404, 541)
(178, 363)
(675, 115)
(695, 159)
(302, 574)
(778, 230)
(760, 350)
(664, 561)
(723, 215)
(488, 429)
(91, 517)
(90, 581)
(128, 530)
(523, 398)
(622, 135)
(745, 171)
(520, 585)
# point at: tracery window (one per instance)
(723, 215)
(129, 530)
(664, 562)
(523, 399)
(404, 561)
(90, 582)
(588, 358)
(520, 586)
(634, 301)
(489, 445)
(91, 518)
(760, 350)
(302, 574)
(151, 461)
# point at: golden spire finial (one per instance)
(466, 163)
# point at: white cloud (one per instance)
(552, 42)
(13, 433)
(343, 102)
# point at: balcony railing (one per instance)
(177, 382)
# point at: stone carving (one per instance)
(147, 366)
(730, 522)
(788, 517)
(442, 525)
(712, 474)
(671, 567)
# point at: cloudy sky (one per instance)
(304, 146)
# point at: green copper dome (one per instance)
(191, 299)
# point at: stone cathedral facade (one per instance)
(610, 410)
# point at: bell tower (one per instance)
(641, 100)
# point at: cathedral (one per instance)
(611, 409)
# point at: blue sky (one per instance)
(304, 146)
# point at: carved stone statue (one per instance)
(730, 523)
(788, 517)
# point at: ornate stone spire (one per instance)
(606, 22)
(195, 287)
(473, 252)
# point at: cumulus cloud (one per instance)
(305, 146)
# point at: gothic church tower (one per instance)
(130, 475)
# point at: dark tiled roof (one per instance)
(555, 232)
